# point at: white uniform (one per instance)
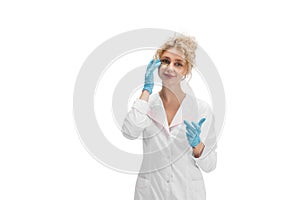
(169, 170)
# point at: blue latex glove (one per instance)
(149, 78)
(193, 132)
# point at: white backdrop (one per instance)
(254, 45)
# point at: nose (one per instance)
(170, 67)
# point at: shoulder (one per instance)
(199, 106)
(154, 99)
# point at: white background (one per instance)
(254, 44)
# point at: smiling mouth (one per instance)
(169, 76)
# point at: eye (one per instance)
(165, 61)
(178, 64)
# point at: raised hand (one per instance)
(193, 131)
(149, 78)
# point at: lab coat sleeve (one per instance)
(136, 120)
(208, 159)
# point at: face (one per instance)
(173, 66)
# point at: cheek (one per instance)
(161, 68)
(159, 71)
(183, 71)
(180, 71)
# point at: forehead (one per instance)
(173, 54)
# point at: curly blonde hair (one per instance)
(186, 44)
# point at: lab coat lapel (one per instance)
(190, 109)
(157, 112)
(187, 111)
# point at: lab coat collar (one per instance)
(158, 114)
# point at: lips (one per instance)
(169, 75)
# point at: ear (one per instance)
(185, 71)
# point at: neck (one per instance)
(172, 94)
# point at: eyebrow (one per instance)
(175, 59)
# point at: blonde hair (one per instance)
(186, 44)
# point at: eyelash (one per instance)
(178, 64)
(167, 62)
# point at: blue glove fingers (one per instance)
(193, 139)
(153, 64)
(191, 130)
(195, 142)
(201, 122)
(157, 61)
(150, 63)
(157, 64)
(192, 133)
(187, 124)
(196, 126)
(149, 83)
(189, 136)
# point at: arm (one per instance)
(197, 150)
(145, 95)
(207, 163)
(137, 120)
(207, 159)
(204, 153)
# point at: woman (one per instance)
(177, 129)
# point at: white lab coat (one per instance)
(169, 170)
